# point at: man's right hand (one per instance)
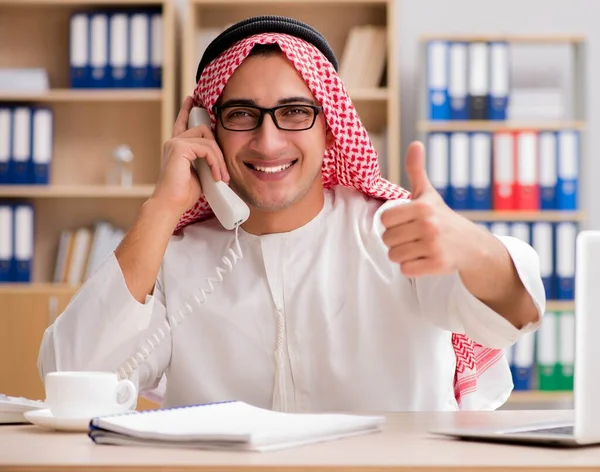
(178, 187)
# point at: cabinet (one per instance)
(530, 188)
(88, 124)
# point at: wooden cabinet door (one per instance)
(24, 316)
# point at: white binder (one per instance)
(5, 144)
(99, 50)
(6, 243)
(438, 162)
(118, 51)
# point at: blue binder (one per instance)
(41, 144)
(548, 152)
(458, 81)
(118, 51)
(79, 55)
(20, 164)
(139, 52)
(23, 241)
(523, 362)
(6, 242)
(568, 169)
(565, 238)
(99, 45)
(522, 377)
(437, 80)
(5, 144)
(480, 171)
(438, 162)
(542, 235)
(155, 64)
(499, 80)
(459, 171)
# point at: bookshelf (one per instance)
(378, 107)
(482, 125)
(87, 126)
(530, 393)
(540, 400)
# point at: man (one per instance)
(333, 299)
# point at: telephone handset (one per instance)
(229, 208)
(231, 211)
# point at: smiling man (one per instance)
(341, 291)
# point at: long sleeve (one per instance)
(103, 326)
(448, 303)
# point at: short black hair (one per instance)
(265, 49)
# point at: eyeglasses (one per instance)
(249, 117)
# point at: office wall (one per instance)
(546, 67)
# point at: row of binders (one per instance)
(82, 250)
(555, 244)
(467, 80)
(545, 360)
(117, 48)
(26, 145)
(17, 230)
(516, 170)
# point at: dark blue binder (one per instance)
(79, 56)
(437, 80)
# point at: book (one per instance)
(228, 425)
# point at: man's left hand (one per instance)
(426, 237)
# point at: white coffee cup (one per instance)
(88, 394)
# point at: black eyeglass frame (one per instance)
(217, 109)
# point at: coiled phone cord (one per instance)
(150, 343)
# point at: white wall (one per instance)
(420, 17)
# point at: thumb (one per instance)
(415, 170)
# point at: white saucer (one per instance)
(45, 419)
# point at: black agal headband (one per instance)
(265, 24)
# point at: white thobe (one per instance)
(316, 319)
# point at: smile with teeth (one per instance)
(272, 169)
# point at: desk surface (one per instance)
(404, 444)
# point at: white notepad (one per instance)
(229, 426)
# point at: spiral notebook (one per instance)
(230, 425)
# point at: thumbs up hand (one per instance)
(426, 237)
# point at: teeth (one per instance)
(273, 170)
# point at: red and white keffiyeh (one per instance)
(351, 162)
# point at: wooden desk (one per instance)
(403, 445)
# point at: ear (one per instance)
(329, 138)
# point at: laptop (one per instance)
(584, 429)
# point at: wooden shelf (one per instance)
(539, 396)
(542, 215)
(81, 95)
(560, 305)
(78, 3)
(511, 38)
(489, 125)
(37, 288)
(75, 191)
(299, 2)
(369, 94)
